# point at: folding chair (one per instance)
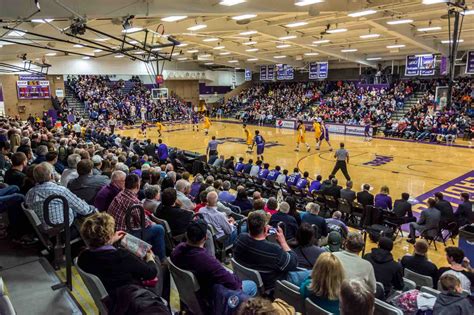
(430, 290)
(170, 240)
(431, 235)
(289, 293)
(313, 309)
(408, 284)
(187, 286)
(219, 243)
(245, 273)
(345, 208)
(419, 279)
(357, 213)
(382, 308)
(96, 289)
(331, 202)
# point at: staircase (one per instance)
(400, 113)
(75, 103)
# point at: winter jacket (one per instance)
(453, 304)
(387, 271)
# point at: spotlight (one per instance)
(78, 27)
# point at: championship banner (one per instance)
(271, 72)
(313, 70)
(263, 73)
(248, 75)
(290, 72)
(470, 62)
(411, 68)
(423, 65)
(285, 72)
(443, 66)
(323, 70)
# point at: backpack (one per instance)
(376, 231)
(225, 301)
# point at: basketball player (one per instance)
(143, 111)
(324, 136)
(300, 137)
(248, 139)
(143, 128)
(206, 125)
(367, 136)
(317, 132)
(260, 142)
(195, 121)
(159, 128)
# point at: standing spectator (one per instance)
(325, 283)
(162, 151)
(428, 222)
(387, 271)
(356, 298)
(419, 262)
(107, 193)
(354, 266)
(273, 261)
(87, 185)
(342, 159)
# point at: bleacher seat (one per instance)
(419, 279)
(382, 308)
(245, 273)
(430, 290)
(289, 293)
(187, 286)
(6, 307)
(313, 309)
(96, 289)
(408, 284)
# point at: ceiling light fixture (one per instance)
(248, 33)
(51, 54)
(279, 57)
(302, 3)
(174, 18)
(78, 46)
(321, 41)
(428, 29)
(119, 56)
(348, 50)
(244, 17)
(97, 50)
(225, 53)
(396, 46)
(450, 41)
(373, 58)
(205, 55)
(252, 59)
(397, 22)
(219, 47)
(183, 45)
(209, 63)
(16, 33)
(212, 39)
(182, 58)
(251, 49)
(41, 20)
(192, 51)
(156, 49)
(468, 12)
(101, 39)
(197, 27)
(230, 3)
(367, 36)
(337, 30)
(132, 30)
(311, 54)
(362, 13)
(283, 46)
(233, 61)
(139, 53)
(86, 57)
(133, 42)
(249, 43)
(433, 1)
(287, 37)
(296, 24)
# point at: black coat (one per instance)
(402, 208)
(446, 210)
(387, 271)
(365, 198)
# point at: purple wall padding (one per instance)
(1, 94)
(209, 89)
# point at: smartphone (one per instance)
(272, 231)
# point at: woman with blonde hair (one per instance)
(383, 199)
(325, 283)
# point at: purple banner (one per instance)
(411, 67)
(443, 66)
(470, 62)
(271, 72)
(1, 94)
(32, 77)
(263, 73)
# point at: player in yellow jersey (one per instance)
(248, 138)
(159, 127)
(206, 125)
(317, 133)
(300, 137)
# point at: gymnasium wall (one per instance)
(185, 89)
(14, 106)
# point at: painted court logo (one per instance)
(379, 160)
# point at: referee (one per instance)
(212, 147)
(342, 159)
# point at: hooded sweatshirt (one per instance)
(387, 271)
(453, 304)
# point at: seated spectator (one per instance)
(419, 262)
(325, 283)
(273, 174)
(282, 178)
(197, 186)
(303, 182)
(356, 298)
(218, 162)
(255, 169)
(293, 178)
(402, 211)
(153, 233)
(334, 242)
(293, 211)
(464, 214)
(225, 195)
(239, 166)
(192, 256)
(248, 167)
(271, 206)
(282, 216)
(273, 261)
(459, 266)
(312, 217)
(315, 184)
(347, 193)
(58, 168)
(183, 188)
(333, 190)
(152, 198)
(43, 175)
(86, 186)
(242, 201)
(445, 208)
(169, 181)
(336, 224)
(107, 193)
(263, 172)
(15, 175)
(177, 218)
(383, 200)
(365, 197)
(229, 163)
(41, 152)
(115, 267)
(97, 160)
(387, 271)
(202, 201)
(428, 222)
(70, 173)
(222, 224)
(307, 250)
(354, 266)
(451, 299)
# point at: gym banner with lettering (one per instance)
(423, 65)
(271, 72)
(248, 75)
(318, 70)
(470, 62)
(263, 73)
(284, 72)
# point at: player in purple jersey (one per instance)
(324, 136)
(195, 121)
(260, 142)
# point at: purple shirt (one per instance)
(105, 196)
(239, 167)
(301, 183)
(383, 201)
(293, 179)
(207, 269)
(315, 185)
(273, 174)
(162, 152)
(263, 173)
